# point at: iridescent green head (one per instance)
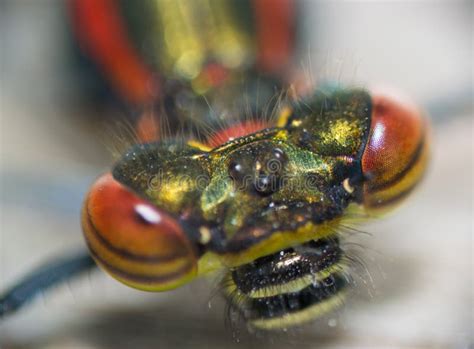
(281, 186)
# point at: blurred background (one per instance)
(60, 102)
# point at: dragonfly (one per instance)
(264, 193)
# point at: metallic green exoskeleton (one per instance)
(275, 182)
(269, 206)
(262, 196)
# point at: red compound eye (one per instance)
(235, 131)
(134, 241)
(396, 153)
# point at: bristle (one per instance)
(119, 137)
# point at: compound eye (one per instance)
(134, 241)
(396, 153)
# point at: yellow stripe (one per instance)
(380, 200)
(285, 113)
(297, 284)
(211, 262)
(280, 240)
(303, 316)
(201, 146)
(159, 287)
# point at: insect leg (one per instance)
(42, 279)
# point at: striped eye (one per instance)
(396, 154)
(134, 241)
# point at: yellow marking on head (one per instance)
(280, 240)
(339, 133)
(172, 192)
(347, 186)
(285, 113)
(201, 146)
(296, 123)
(281, 135)
(209, 263)
(205, 235)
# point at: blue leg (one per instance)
(42, 279)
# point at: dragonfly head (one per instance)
(166, 204)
